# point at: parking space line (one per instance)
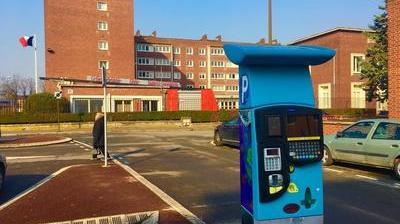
(366, 177)
(334, 170)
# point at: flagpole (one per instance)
(36, 68)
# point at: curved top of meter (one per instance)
(277, 55)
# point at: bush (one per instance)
(352, 112)
(45, 103)
(197, 117)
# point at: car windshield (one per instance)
(359, 130)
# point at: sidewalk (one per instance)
(88, 191)
(18, 141)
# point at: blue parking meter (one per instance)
(281, 136)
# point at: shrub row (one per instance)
(365, 113)
(197, 117)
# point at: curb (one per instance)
(34, 187)
(35, 143)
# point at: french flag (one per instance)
(26, 41)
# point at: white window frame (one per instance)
(107, 64)
(189, 63)
(203, 86)
(203, 64)
(232, 76)
(217, 88)
(189, 86)
(217, 76)
(145, 74)
(202, 51)
(163, 75)
(145, 61)
(102, 25)
(354, 55)
(140, 47)
(100, 4)
(162, 61)
(323, 101)
(357, 102)
(217, 51)
(103, 45)
(189, 75)
(232, 88)
(177, 50)
(217, 64)
(177, 63)
(202, 75)
(162, 48)
(177, 75)
(189, 50)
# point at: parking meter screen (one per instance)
(303, 126)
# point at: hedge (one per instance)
(197, 117)
(352, 112)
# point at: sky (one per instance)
(235, 20)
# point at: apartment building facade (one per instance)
(195, 64)
(337, 83)
(393, 7)
(83, 36)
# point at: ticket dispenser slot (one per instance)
(287, 136)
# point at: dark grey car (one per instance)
(227, 133)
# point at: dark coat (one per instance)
(98, 134)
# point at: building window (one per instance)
(87, 105)
(163, 75)
(217, 76)
(189, 87)
(102, 25)
(177, 50)
(189, 63)
(202, 51)
(324, 96)
(202, 75)
(231, 65)
(217, 51)
(356, 60)
(145, 74)
(144, 48)
(145, 61)
(162, 61)
(232, 88)
(162, 48)
(177, 63)
(103, 45)
(203, 87)
(203, 63)
(218, 88)
(177, 75)
(189, 50)
(228, 104)
(357, 95)
(189, 75)
(102, 6)
(103, 63)
(218, 64)
(149, 105)
(123, 105)
(233, 76)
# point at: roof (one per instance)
(337, 29)
(277, 55)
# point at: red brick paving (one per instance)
(24, 139)
(85, 192)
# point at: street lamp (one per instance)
(270, 22)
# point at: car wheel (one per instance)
(397, 168)
(217, 139)
(327, 158)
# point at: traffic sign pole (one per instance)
(104, 83)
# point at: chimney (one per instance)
(219, 38)
(204, 37)
(262, 41)
(138, 33)
(154, 34)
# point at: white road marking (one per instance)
(34, 187)
(27, 157)
(333, 170)
(366, 177)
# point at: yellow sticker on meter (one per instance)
(274, 190)
(293, 188)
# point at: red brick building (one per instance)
(195, 64)
(393, 8)
(337, 83)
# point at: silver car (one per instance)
(374, 142)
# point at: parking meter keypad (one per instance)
(304, 150)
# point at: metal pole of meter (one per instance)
(104, 83)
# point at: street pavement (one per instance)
(205, 178)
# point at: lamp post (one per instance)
(270, 22)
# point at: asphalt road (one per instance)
(205, 178)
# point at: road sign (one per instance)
(58, 94)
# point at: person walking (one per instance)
(98, 136)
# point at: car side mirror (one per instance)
(339, 134)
